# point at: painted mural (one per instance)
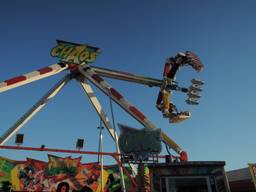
(59, 175)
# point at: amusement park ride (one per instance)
(77, 59)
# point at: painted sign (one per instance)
(252, 168)
(74, 53)
(58, 174)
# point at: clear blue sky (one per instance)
(136, 37)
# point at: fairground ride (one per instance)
(77, 58)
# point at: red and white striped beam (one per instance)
(122, 102)
(32, 76)
(116, 96)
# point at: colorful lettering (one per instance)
(74, 53)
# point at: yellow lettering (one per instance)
(83, 56)
(74, 53)
(66, 51)
(56, 50)
(73, 56)
(92, 57)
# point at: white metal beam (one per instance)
(32, 76)
(152, 82)
(97, 106)
(34, 110)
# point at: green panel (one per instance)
(139, 143)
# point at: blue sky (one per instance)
(136, 37)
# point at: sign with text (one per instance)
(74, 53)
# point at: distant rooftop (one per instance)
(239, 174)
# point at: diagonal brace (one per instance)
(97, 106)
(91, 75)
(34, 110)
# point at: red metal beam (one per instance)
(114, 154)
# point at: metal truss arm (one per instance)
(96, 104)
(152, 82)
(32, 76)
(90, 74)
(35, 109)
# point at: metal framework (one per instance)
(83, 72)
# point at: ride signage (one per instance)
(74, 53)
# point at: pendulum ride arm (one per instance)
(32, 76)
(96, 104)
(152, 82)
(90, 74)
(36, 108)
